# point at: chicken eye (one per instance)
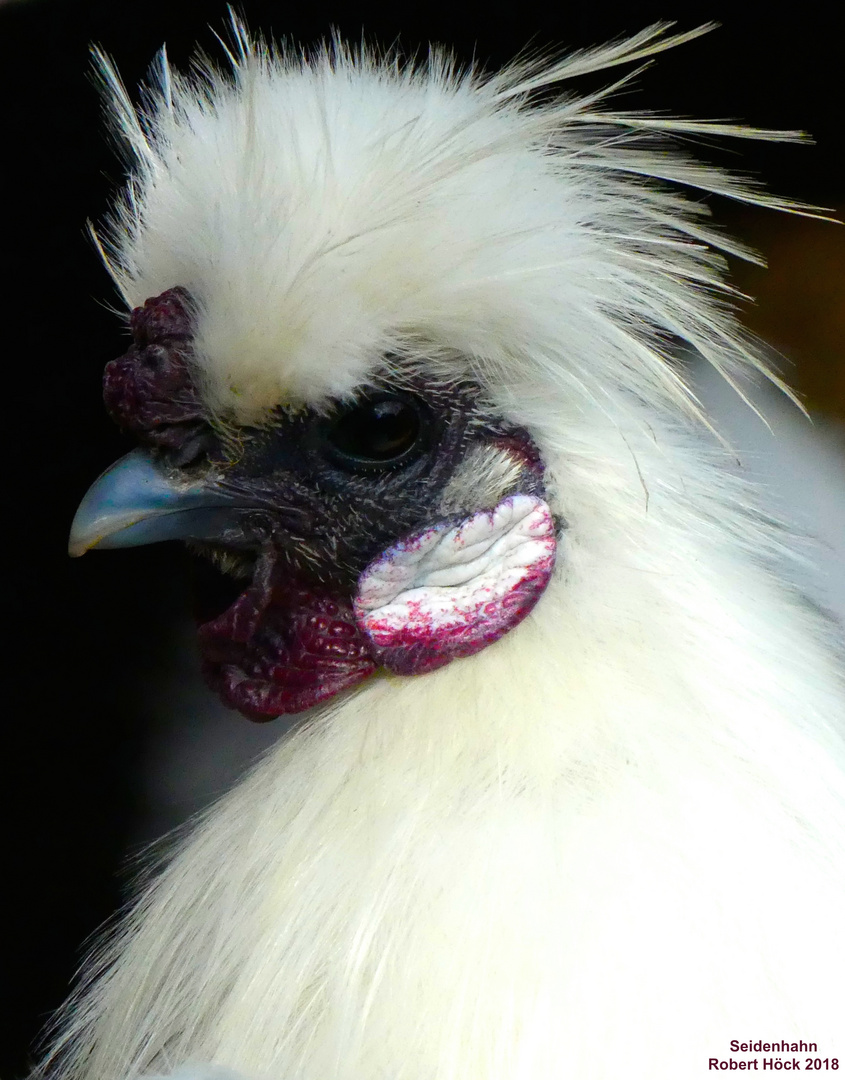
(378, 433)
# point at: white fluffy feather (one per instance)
(612, 841)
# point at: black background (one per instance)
(87, 638)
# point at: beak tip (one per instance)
(80, 541)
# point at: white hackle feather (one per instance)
(612, 841)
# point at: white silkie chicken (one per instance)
(574, 804)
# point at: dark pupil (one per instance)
(377, 431)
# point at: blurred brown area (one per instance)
(799, 299)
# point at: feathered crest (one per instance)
(594, 280)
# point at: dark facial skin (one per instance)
(317, 494)
(343, 511)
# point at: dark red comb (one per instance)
(150, 390)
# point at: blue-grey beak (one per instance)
(136, 501)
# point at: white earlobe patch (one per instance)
(452, 589)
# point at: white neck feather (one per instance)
(589, 850)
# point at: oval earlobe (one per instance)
(451, 590)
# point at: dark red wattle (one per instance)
(283, 646)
